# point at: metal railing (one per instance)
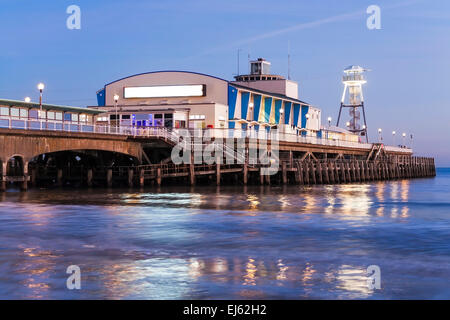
(174, 135)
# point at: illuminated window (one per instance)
(15, 112)
(4, 111)
(51, 115)
(23, 113)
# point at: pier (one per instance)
(113, 157)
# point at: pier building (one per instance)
(258, 102)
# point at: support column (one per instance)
(313, 172)
(141, 177)
(327, 176)
(245, 173)
(3, 182)
(158, 176)
(284, 172)
(24, 186)
(33, 176)
(130, 177)
(59, 177)
(319, 172)
(109, 178)
(217, 172)
(192, 170)
(90, 175)
(343, 175)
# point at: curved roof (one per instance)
(164, 71)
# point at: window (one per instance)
(75, 117)
(112, 117)
(126, 117)
(33, 114)
(58, 116)
(82, 118)
(23, 113)
(51, 115)
(67, 117)
(42, 114)
(15, 112)
(4, 111)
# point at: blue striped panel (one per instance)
(287, 112)
(232, 97)
(277, 111)
(305, 110)
(256, 107)
(245, 98)
(296, 113)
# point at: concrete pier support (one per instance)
(130, 177)
(90, 175)
(24, 186)
(141, 178)
(245, 173)
(284, 172)
(158, 176)
(59, 177)
(3, 176)
(109, 181)
(218, 173)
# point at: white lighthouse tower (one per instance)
(353, 80)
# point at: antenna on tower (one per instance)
(353, 80)
(289, 60)
(238, 51)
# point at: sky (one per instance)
(408, 88)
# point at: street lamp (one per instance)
(40, 87)
(116, 98)
(27, 99)
(404, 137)
(393, 138)
(380, 137)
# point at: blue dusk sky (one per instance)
(408, 89)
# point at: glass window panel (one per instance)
(67, 117)
(23, 113)
(4, 111)
(33, 114)
(15, 112)
(51, 115)
(75, 117)
(58, 116)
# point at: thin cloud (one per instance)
(302, 26)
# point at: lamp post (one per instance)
(411, 145)
(116, 99)
(404, 138)
(380, 137)
(40, 87)
(281, 116)
(393, 138)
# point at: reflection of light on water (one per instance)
(38, 265)
(307, 273)
(405, 211)
(310, 203)
(192, 199)
(196, 267)
(331, 199)
(394, 190)
(281, 274)
(394, 212)
(353, 280)
(355, 200)
(405, 190)
(150, 279)
(379, 194)
(253, 201)
(250, 273)
(284, 202)
(219, 265)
